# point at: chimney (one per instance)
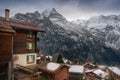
(7, 13)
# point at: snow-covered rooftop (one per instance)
(38, 58)
(66, 60)
(76, 69)
(53, 66)
(115, 70)
(102, 66)
(100, 73)
(49, 56)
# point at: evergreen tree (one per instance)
(60, 59)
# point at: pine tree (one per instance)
(60, 59)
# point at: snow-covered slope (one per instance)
(106, 28)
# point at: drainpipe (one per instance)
(12, 60)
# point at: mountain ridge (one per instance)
(74, 41)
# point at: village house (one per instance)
(49, 58)
(76, 72)
(96, 74)
(54, 71)
(89, 65)
(103, 67)
(18, 42)
(114, 73)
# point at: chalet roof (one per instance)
(115, 70)
(53, 66)
(76, 69)
(98, 72)
(48, 56)
(6, 28)
(50, 67)
(12, 23)
(89, 63)
(102, 67)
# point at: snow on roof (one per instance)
(53, 66)
(100, 73)
(38, 58)
(115, 70)
(102, 66)
(90, 63)
(76, 69)
(49, 56)
(87, 71)
(66, 60)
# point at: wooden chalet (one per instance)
(89, 65)
(96, 74)
(16, 37)
(114, 73)
(54, 71)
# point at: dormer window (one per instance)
(30, 34)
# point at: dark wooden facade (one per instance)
(6, 44)
(20, 42)
(75, 76)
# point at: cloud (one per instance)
(72, 9)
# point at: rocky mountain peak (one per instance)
(36, 13)
(53, 11)
(48, 12)
(53, 14)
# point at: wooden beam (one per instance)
(25, 68)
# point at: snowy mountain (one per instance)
(81, 42)
(106, 28)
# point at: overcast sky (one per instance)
(71, 9)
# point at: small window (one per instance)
(30, 59)
(30, 45)
(30, 34)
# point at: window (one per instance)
(30, 45)
(30, 59)
(30, 34)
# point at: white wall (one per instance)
(21, 59)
